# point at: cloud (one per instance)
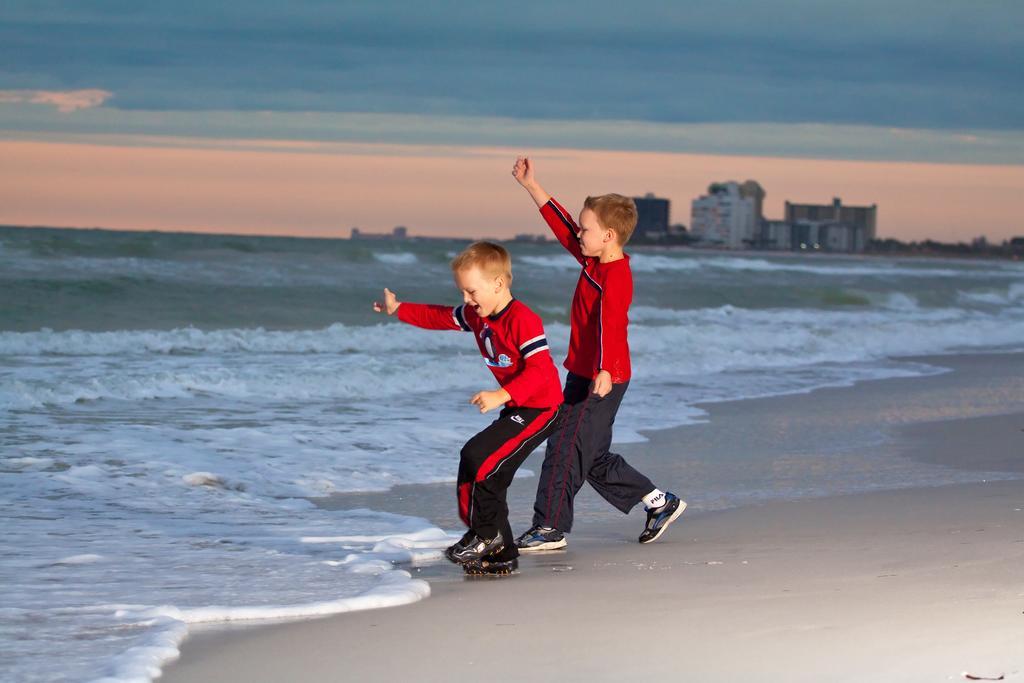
(912, 64)
(66, 101)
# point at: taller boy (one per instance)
(599, 373)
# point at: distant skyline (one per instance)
(322, 189)
(203, 102)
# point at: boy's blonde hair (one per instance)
(615, 212)
(492, 259)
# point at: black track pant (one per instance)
(490, 460)
(578, 451)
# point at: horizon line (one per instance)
(389, 238)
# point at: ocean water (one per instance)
(170, 403)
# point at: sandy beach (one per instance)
(884, 584)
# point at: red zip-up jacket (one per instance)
(599, 318)
(512, 342)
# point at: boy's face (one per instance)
(593, 236)
(483, 293)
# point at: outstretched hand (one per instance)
(389, 305)
(523, 171)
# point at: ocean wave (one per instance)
(898, 301)
(393, 340)
(272, 382)
(561, 260)
(166, 627)
(133, 642)
(642, 262)
(120, 552)
(877, 269)
(1014, 294)
(338, 338)
(401, 258)
(728, 338)
(387, 361)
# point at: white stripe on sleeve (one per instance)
(536, 350)
(530, 341)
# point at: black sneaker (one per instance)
(490, 567)
(465, 540)
(541, 538)
(472, 547)
(659, 518)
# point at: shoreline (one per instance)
(846, 544)
(908, 585)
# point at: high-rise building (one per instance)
(725, 217)
(753, 190)
(651, 217)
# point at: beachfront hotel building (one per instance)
(727, 216)
(831, 227)
(861, 217)
(731, 216)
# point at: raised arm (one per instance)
(557, 218)
(523, 172)
(563, 227)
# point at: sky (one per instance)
(314, 116)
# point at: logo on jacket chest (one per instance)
(491, 355)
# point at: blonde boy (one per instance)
(512, 342)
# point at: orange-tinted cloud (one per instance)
(280, 187)
(65, 101)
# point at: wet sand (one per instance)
(911, 584)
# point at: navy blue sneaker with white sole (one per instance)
(541, 538)
(659, 518)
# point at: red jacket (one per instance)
(598, 340)
(512, 343)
